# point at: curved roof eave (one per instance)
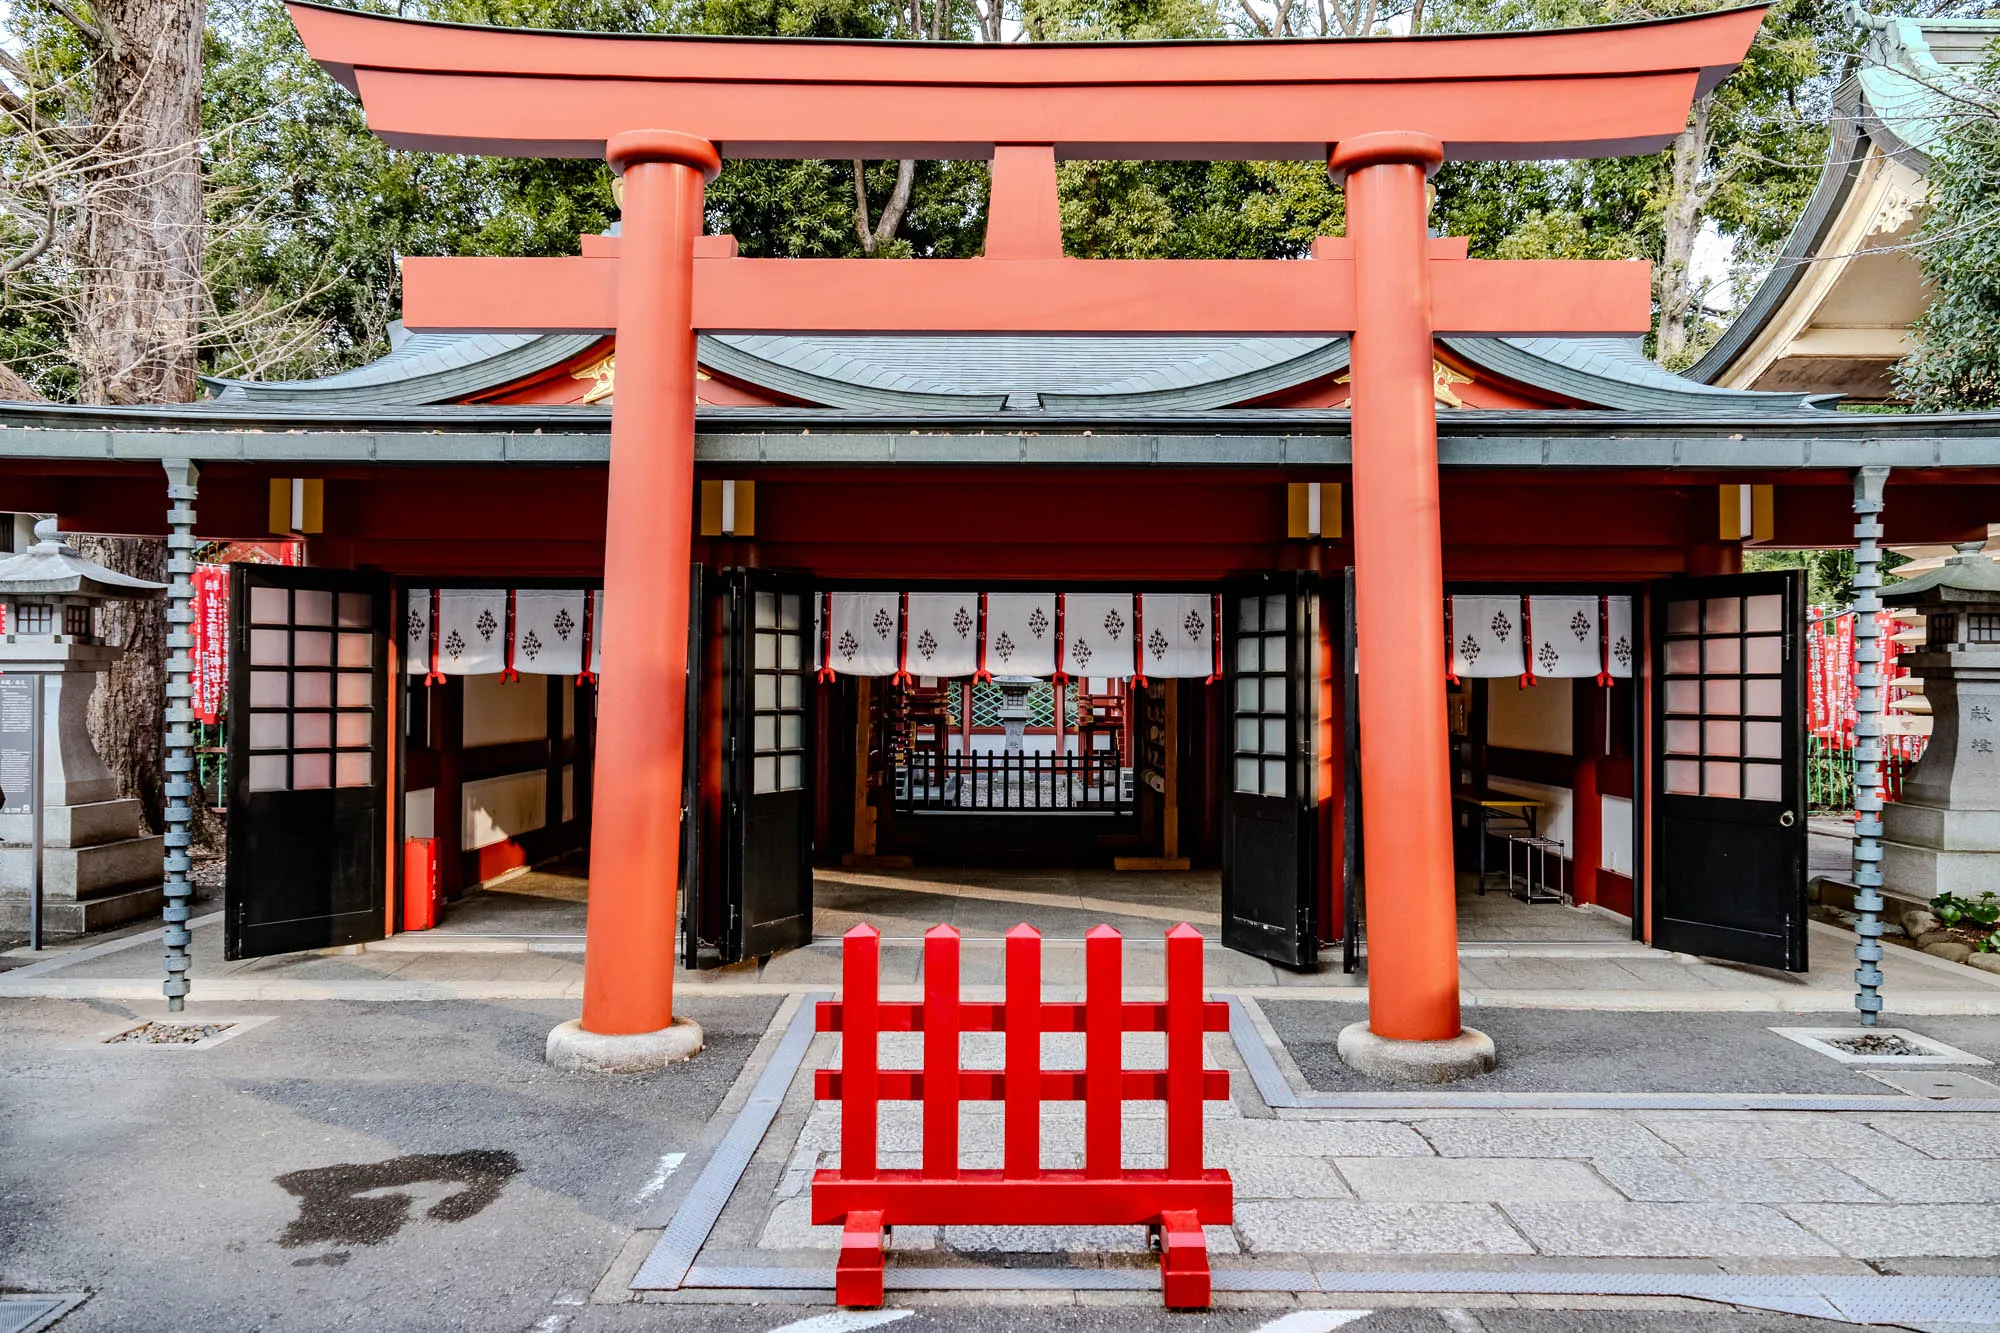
(829, 391)
(1891, 103)
(1583, 372)
(1846, 149)
(426, 370)
(1592, 376)
(444, 371)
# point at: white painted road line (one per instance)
(669, 1164)
(845, 1321)
(1313, 1321)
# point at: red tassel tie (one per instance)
(1061, 677)
(1527, 645)
(902, 676)
(1450, 652)
(507, 672)
(1604, 640)
(1138, 641)
(825, 673)
(587, 676)
(1215, 636)
(434, 676)
(982, 674)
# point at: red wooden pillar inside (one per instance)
(628, 979)
(1399, 585)
(1586, 808)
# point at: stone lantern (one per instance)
(1014, 709)
(1943, 834)
(99, 867)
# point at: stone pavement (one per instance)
(1614, 974)
(1737, 1192)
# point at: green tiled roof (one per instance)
(924, 375)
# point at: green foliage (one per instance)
(1829, 573)
(311, 214)
(1955, 364)
(327, 210)
(1766, 142)
(1982, 913)
(1196, 210)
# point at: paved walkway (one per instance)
(1614, 974)
(1362, 1206)
(1767, 1192)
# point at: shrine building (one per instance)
(976, 610)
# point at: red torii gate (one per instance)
(1383, 113)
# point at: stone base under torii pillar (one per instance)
(99, 867)
(1468, 1055)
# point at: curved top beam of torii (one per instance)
(1580, 92)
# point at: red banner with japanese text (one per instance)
(1841, 669)
(211, 641)
(1819, 711)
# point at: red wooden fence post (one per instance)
(861, 970)
(1184, 1276)
(1023, 1084)
(941, 1053)
(1103, 1053)
(1184, 1053)
(857, 1275)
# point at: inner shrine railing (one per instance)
(998, 782)
(1174, 1201)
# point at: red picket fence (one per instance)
(1174, 1203)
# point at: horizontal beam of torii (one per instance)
(1383, 113)
(1253, 298)
(1584, 92)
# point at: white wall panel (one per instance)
(504, 807)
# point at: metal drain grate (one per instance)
(33, 1311)
(1940, 1084)
(1883, 1046)
(171, 1034)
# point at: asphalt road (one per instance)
(1012, 1318)
(1555, 1050)
(380, 1167)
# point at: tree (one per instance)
(1955, 361)
(1745, 165)
(103, 116)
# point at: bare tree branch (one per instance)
(1255, 17)
(90, 31)
(39, 246)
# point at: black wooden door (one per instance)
(767, 802)
(699, 905)
(1729, 835)
(1351, 884)
(1267, 823)
(308, 760)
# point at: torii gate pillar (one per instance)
(1399, 585)
(635, 843)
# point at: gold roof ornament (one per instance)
(1442, 378)
(604, 374)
